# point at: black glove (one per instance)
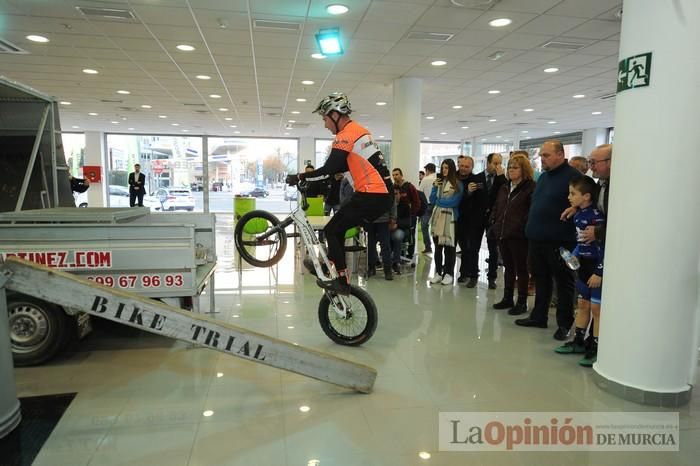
(292, 180)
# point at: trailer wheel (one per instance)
(37, 330)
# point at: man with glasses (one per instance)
(600, 162)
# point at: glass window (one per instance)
(74, 152)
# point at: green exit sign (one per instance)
(634, 72)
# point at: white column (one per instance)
(516, 141)
(307, 151)
(591, 138)
(649, 318)
(95, 154)
(406, 127)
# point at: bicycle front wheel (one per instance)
(359, 324)
(259, 239)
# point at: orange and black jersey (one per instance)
(355, 151)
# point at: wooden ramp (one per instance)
(130, 309)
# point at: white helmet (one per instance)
(336, 101)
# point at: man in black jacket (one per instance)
(137, 182)
(546, 234)
(495, 178)
(472, 219)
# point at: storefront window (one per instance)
(74, 152)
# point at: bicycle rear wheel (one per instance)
(259, 240)
(359, 325)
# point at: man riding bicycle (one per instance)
(353, 151)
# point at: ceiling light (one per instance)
(175, 124)
(318, 56)
(551, 70)
(438, 63)
(492, 120)
(524, 131)
(483, 140)
(596, 113)
(185, 48)
(236, 132)
(499, 137)
(328, 41)
(381, 104)
(529, 137)
(295, 112)
(115, 122)
(443, 133)
(426, 137)
(557, 132)
(496, 55)
(578, 96)
(64, 102)
(203, 76)
(93, 114)
(286, 134)
(465, 127)
(381, 137)
(336, 9)
(456, 107)
(122, 91)
(35, 38)
(430, 117)
(90, 71)
(162, 116)
(219, 375)
(184, 130)
(223, 109)
(75, 127)
(232, 126)
(500, 22)
(123, 118)
(313, 463)
(228, 119)
(494, 91)
(304, 409)
(528, 110)
(424, 455)
(146, 106)
(307, 82)
(215, 96)
(130, 129)
(208, 413)
(291, 121)
(551, 122)
(290, 327)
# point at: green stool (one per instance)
(241, 206)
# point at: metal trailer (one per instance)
(169, 256)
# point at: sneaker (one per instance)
(589, 359)
(338, 285)
(447, 279)
(472, 283)
(571, 347)
(436, 279)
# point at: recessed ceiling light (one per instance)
(304, 409)
(494, 91)
(465, 127)
(528, 110)
(483, 140)
(90, 71)
(286, 134)
(443, 133)
(291, 121)
(551, 70)
(115, 122)
(146, 106)
(130, 129)
(301, 99)
(524, 131)
(424, 455)
(381, 104)
(35, 38)
(499, 137)
(500, 22)
(123, 118)
(64, 102)
(336, 9)
(75, 127)
(208, 413)
(295, 112)
(175, 124)
(381, 137)
(215, 96)
(236, 132)
(456, 107)
(228, 119)
(596, 113)
(579, 96)
(529, 137)
(223, 109)
(307, 82)
(232, 126)
(492, 120)
(162, 116)
(430, 117)
(185, 48)
(551, 122)
(557, 132)
(122, 91)
(93, 114)
(438, 63)
(184, 130)
(203, 76)
(318, 56)
(426, 137)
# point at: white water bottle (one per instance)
(570, 260)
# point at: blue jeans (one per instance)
(397, 237)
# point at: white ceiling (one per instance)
(258, 72)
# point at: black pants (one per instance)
(133, 195)
(469, 240)
(514, 253)
(547, 264)
(448, 266)
(378, 232)
(492, 243)
(362, 208)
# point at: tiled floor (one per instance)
(141, 400)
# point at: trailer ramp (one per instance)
(153, 316)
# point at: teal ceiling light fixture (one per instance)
(329, 42)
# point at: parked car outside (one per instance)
(118, 197)
(257, 192)
(170, 198)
